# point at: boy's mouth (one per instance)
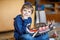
(25, 15)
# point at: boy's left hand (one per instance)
(43, 28)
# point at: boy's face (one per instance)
(26, 12)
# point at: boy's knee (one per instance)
(26, 37)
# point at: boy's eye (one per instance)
(29, 11)
(24, 10)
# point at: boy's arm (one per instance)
(18, 25)
(21, 27)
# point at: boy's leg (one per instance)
(46, 39)
(26, 37)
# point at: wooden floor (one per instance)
(7, 35)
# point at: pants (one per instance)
(29, 37)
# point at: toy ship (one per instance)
(41, 25)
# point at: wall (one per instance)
(8, 10)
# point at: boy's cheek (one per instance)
(29, 15)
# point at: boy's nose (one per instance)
(26, 12)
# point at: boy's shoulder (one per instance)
(18, 17)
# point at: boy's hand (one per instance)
(43, 28)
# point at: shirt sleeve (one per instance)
(18, 25)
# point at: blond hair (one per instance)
(27, 5)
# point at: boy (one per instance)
(21, 22)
